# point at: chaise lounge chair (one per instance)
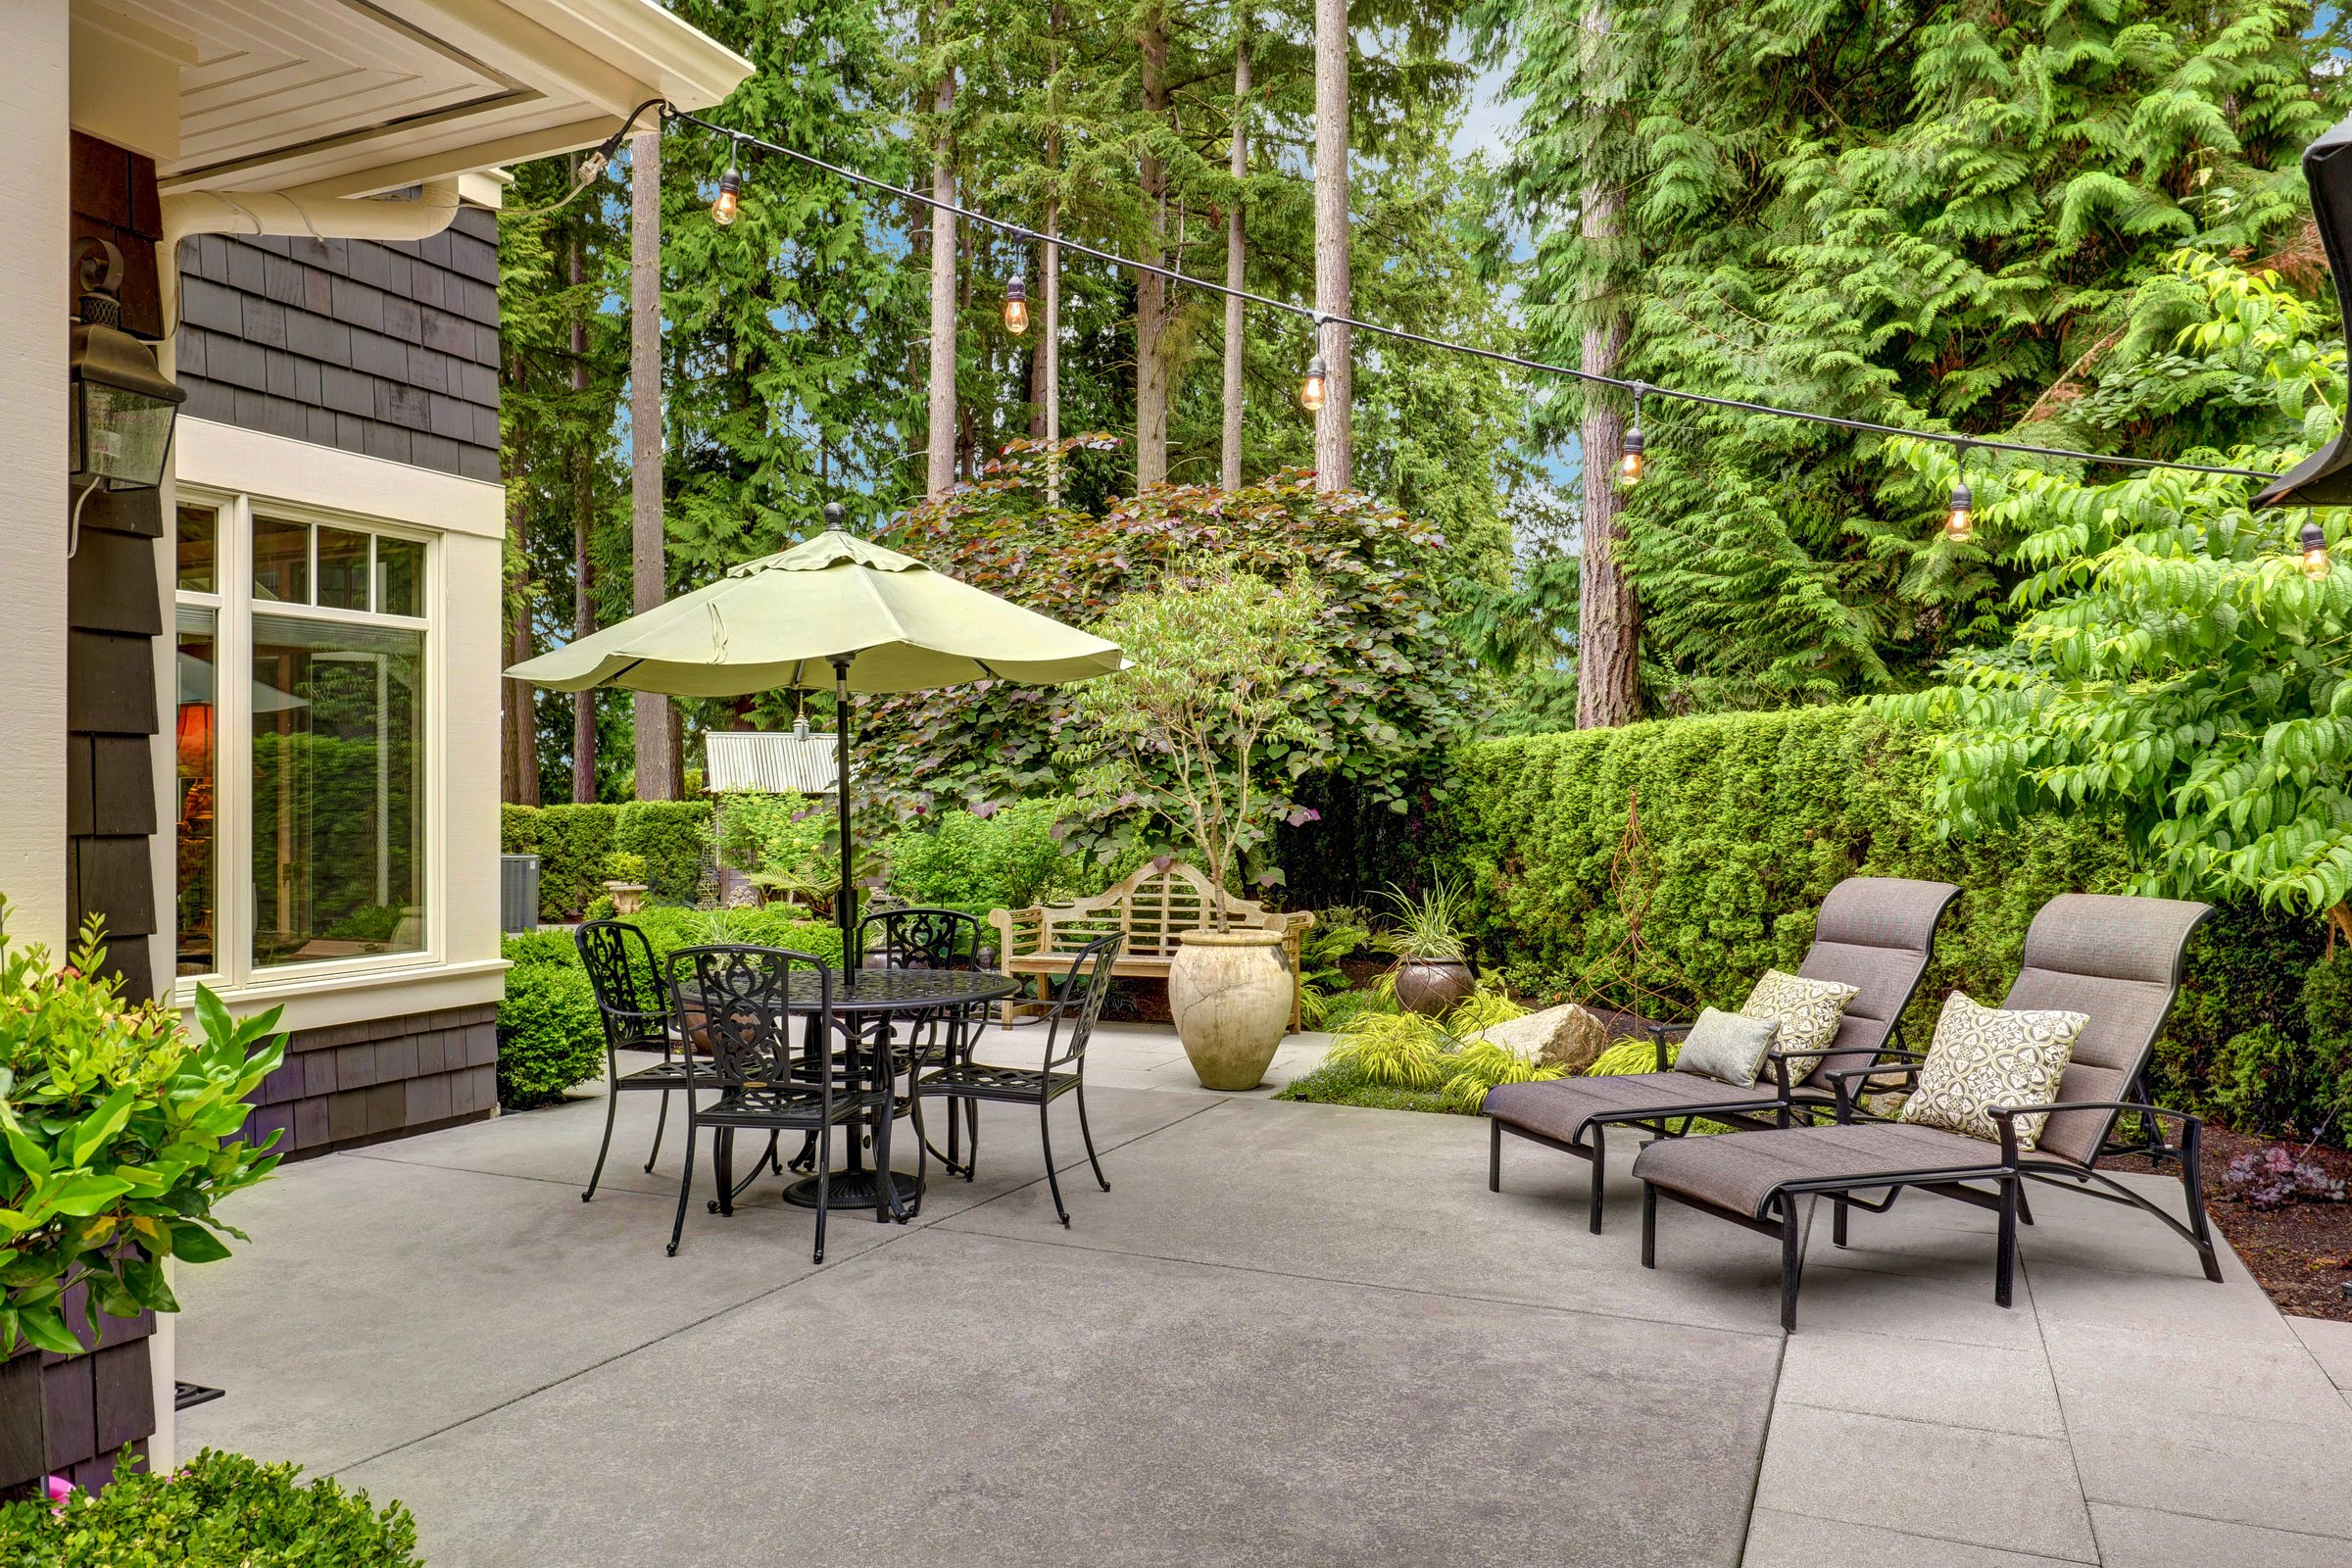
(2116, 960)
(1875, 933)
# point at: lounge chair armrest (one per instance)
(1846, 1083)
(2192, 1127)
(1659, 1034)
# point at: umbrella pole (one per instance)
(845, 904)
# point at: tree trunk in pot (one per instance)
(1432, 987)
(1230, 992)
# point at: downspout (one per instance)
(298, 214)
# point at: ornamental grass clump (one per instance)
(1445, 1060)
(117, 1138)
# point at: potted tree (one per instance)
(1432, 956)
(118, 1139)
(1182, 732)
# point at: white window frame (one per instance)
(235, 606)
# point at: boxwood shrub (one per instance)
(220, 1510)
(576, 845)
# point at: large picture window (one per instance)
(309, 766)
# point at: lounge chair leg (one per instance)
(2004, 1265)
(1838, 1221)
(1600, 1156)
(2024, 1211)
(611, 1106)
(2192, 1187)
(1649, 1226)
(1493, 1156)
(1793, 1261)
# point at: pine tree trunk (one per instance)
(1608, 675)
(519, 730)
(1236, 252)
(656, 759)
(941, 474)
(1335, 426)
(1151, 290)
(583, 515)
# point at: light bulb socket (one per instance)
(1017, 288)
(1964, 500)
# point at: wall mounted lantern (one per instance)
(123, 404)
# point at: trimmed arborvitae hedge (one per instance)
(573, 841)
(1750, 819)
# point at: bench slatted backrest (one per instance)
(1148, 911)
(2117, 960)
(1876, 933)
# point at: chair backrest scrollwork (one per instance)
(1079, 999)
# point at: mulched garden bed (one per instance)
(2301, 1252)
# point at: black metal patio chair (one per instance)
(738, 1007)
(633, 1005)
(923, 938)
(1873, 933)
(2116, 960)
(1077, 1003)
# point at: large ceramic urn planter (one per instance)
(1230, 992)
(1432, 987)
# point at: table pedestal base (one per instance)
(851, 1189)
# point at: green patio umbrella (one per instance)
(836, 607)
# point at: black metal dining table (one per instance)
(880, 999)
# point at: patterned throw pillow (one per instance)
(1808, 1013)
(1985, 1056)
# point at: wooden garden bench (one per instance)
(1150, 908)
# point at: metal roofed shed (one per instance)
(776, 761)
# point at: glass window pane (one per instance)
(199, 532)
(342, 569)
(399, 576)
(281, 560)
(338, 790)
(198, 658)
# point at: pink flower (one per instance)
(59, 1489)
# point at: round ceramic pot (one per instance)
(1432, 987)
(1230, 992)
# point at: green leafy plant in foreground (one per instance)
(117, 1138)
(220, 1510)
(1405, 1052)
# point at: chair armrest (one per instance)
(1842, 1082)
(2192, 1127)
(1657, 1037)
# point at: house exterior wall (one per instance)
(387, 351)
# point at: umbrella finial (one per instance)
(833, 514)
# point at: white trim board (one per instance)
(223, 457)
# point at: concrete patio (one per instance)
(1289, 1335)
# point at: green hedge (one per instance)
(218, 1510)
(550, 1038)
(1750, 819)
(573, 841)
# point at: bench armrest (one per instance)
(1022, 930)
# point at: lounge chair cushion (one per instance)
(1808, 1013)
(1987, 1056)
(1562, 1108)
(1742, 1171)
(1727, 1047)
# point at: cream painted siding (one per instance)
(459, 966)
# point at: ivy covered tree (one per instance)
(2174, 663)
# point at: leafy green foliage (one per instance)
(673, 838)
(2176, 669)
(1392, 687)
(1009, 859)
(1628, 1056)
(1748, 821)
(548, 1035)
(118, 1139)
(218, 1510)
(1933, 216)
(779, 841)
(1211, 695)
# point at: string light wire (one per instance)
(1402, 335)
